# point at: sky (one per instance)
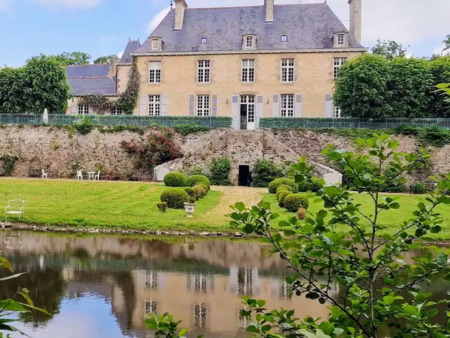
(103, 27)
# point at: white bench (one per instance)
(15, 208)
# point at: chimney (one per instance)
(180, 7)
(355, 18)
(113, 66)
(269, 10)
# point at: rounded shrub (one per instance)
(285, 187)
(175, 179)
(308, 186)
(175, 198)
(419, 189)
(191, 192)
(281, 181)
(196, 179)
(301, 213)
(200, 191)
(293, 202)
(280, 191)
(282, 197)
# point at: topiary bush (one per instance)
(295, 201)
(309, 186)
(282, 197)
(175, 198)
(175, 179)
(282, 190)
(196, 179)
(285, 187)
(282, 181)
(191, 192)
(162, 206)
(200, 191)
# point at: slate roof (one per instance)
(132, 46)
(90, 80)
(308, 26)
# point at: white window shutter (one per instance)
(143, 105)
(276, 106)
(214, 103)
(191, 105)
(164, 105)
(235, 111)
(298, 106)
(259, 109)
(328, 106)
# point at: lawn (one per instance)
(101, 204)
(391, 219)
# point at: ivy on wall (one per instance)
(127, 100)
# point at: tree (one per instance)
(344, 246)
(361, 89)
(389, 49)
(104, 59)
(447, 43)
(264, 172)
(73, 58)
(440, 69)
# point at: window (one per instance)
(338, 62)
(287, 70)
(155, 72)
(341, 39)
(245, 281)
(284, 38)
(203, 105)
(83, 109)
(336, 112)
(154, 105)
(200, 283)
(204, 70)
(156, 44)
(248, 71)
(249, 102)
(116, 111)
(204, 41)
(200, 315)
(249, 42)
(151, 307)
(151, 279)
(287, 105)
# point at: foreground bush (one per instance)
(293, 202)
(175, 198)
(196, 179)
(175, 179)
(282, 181)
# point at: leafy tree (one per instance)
(409, 85)
(343, 247)
(12, 84)
(440, 69)
(220, 171)
(389, 49)
(264, 172)
(362, 88)
(447, 43)
(73, 58)
(104, 59)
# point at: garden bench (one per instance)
(15, 207)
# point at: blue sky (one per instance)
(103, 27)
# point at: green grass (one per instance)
(103, 204)
(391, 219)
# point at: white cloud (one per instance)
(5, 6)
(74, 4)
(440, 50)
(120, 54)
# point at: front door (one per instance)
(247, 121)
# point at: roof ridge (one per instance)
(89, 64)
(255, 6)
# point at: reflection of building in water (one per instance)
(200, 315)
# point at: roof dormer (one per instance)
(340, 40)
(249, 41)
(156, 44)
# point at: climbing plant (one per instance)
(9, 162)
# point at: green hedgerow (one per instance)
(175, 179)
(175, 198)
(279, 181)
(196, 179)
(295, 201)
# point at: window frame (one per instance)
(116, 111)
(156, 44)
(249, 41)
(287, 105)
(248, 71)
(84, 109)
(154, 105)
(337, 112)
(155, 72)
(204, 71)
(287, 70)
(338, 62)
(203, 105)
(284, 38)
(340, 42)
(204, 41)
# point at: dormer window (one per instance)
(156, 44)
(249, 42)
(204, 41)
(284, 38)
(341, 40)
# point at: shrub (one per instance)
(419, 189)
(264, 172)
(200, 191)
(196, 179)
(282, 197)
(196, 171)
(85, 126)
(175, 179)
(308, 186)
(162, 206)
(191, 193)
(295, 201)
(285, 187)
(279, 181)
(301, 213)
(220, 171)
(282, 190)
(186, 129)
(175, 198)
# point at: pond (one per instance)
(103, 286)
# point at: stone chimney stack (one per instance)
(269, 10)
(113, 66)
(180, 7)
(355, 18)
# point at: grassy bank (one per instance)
(391, 220)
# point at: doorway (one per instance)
(244, 175)
(247, 121)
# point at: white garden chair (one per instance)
(44, 175)
(79, 176)
(97, 176)
(15, 208)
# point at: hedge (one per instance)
(175, 198)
